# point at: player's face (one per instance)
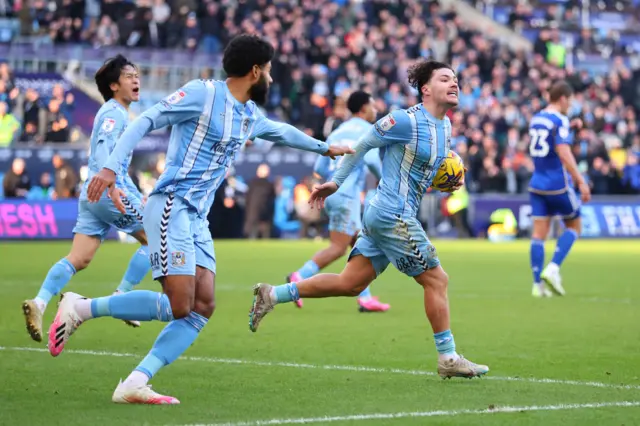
(260, 89)
(371, 112)
(128, 87)
(443, 87)
(565, 104)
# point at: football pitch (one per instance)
(564, 361)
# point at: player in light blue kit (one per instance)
(211, 120)
(551, 188)
(344, 207)
(119, 84)
(417, 140)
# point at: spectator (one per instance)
(260, 205)
(16, 182)
(66, 179)
(9, 126)
(43, 191)
(33, 117)
(57, 124)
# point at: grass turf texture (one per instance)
(591, 335)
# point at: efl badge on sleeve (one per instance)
(108, 125)
(175, 97)
(178, 259)
(385, 124)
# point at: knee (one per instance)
(206, 308)
(180, 309)
(438, 281)
(79, 262)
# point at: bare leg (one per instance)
(436, 302)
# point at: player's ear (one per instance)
(256, 71)
(425, 89)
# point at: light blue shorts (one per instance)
(388, 237)
(178, 238)
(344, 214)
(96, 219)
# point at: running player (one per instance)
(417, 141)
(344, 207)
(551, 188)
(119, 83)
(211, 120)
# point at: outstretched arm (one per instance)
(394, 128)
(287, 135)
(180, 106)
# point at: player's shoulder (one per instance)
(110, 116)
(396, 122)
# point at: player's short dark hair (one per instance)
(245, 51)
(357, 100)
(560, 89)
(109, 73)
(420, 73)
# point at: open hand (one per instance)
(337, 151)
(321, 192)
(116, 196)
(101, 181)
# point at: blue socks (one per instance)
(138, 267)
(176, 338)
(58, 276)
(140, 305)
(445, 343)
(563, 246)
(309, 269)
(286, 293)
(365, 293)
(537, 259)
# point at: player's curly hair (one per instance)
(109, 73)
(420, 73)
(245, 51)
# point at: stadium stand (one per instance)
(327, 48)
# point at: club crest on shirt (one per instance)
(178, 259)
(108, 125)
(385, 124)
(175, 97)
(245, 126)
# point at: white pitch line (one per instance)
(438, 413)
(354, 368)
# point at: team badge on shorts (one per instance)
(178, 259)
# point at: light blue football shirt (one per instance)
(209, 127)
(416, 144)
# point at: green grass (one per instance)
(591, 335)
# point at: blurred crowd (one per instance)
(30, 116)
(327, 48)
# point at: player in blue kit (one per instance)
(119, 84)
(344, 207)
(417, 140)
(551, 187)
(211, 120)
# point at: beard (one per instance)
(259, 91)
